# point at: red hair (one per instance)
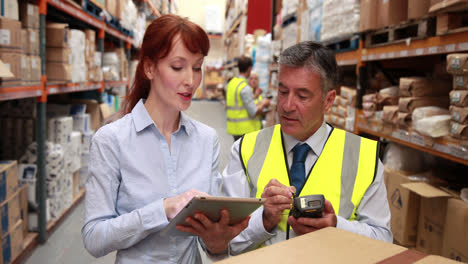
(157, 44)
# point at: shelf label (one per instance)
(457, 151)
(402, 135)
(403, 53)
(391, 54)
(53, 90)
(463, 46)
(420, 51)
(450, 48)
(432, 50)
(418, 140)
(5, 37)
(441, 148)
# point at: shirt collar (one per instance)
(315, 142)
(142, 119)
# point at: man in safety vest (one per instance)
(304, 155)
(241, 109)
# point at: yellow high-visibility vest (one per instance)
(343, 172)
(237, 117)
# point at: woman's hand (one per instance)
(215, 235)
(173, 205)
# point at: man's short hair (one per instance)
(315, 57)
(243, 63)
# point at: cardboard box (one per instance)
(332, 245)
(31, 40)
(392, 12)
(456, 231)
(404, 207)
(29, 15)
(58, 71)
(12, 61)
(10, 9)
(368, 19)
(57, 35)
(418, 8)
(10, 212)
(8, 178)
(432, 213)
(12, 243)
(10, 33)
(62, 55)
(36, 68)
(24, 206)
(111, 7)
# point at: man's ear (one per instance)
(329, 99)
(149, 68)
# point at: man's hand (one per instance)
(278, 198)
(173, 205)
(303, 225)
(215, 235)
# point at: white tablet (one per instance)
(239, 209)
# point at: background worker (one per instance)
(241, 109)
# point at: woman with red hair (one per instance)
(146, 166)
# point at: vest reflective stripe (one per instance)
(238, 120)
(339, 174)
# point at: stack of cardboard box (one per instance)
(58, 52)
(10, 50)
(457, 64)
(342, 113)
(10, 211)
(30, 59)
(94, 70)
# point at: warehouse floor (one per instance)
(65, 244)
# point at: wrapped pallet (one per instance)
(335, 12)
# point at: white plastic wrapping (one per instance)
(433, 126)
(77, 46)
(340, 19)
(399, 157)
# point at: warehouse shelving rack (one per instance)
(438, 45)
(41, 93)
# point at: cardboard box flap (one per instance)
(329, 245)
(4, 71)
(425, 190)
(449, 6)
(433, 259)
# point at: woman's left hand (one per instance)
(215, 235)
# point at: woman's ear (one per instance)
(148, 67)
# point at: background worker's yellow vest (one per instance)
(343, 172)
(237, 118)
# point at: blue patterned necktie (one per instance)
(298, 166)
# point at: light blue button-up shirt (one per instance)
(131, 171)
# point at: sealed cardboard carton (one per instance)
(392, 12)
(12, 243)
(8, 178)
(57, 35)
(368, 15)
(62, 55)
(456, 231)
(10, 33)
(29, 15)
(432, 213)
(418, 8)
(24, 206)
(59, 71)
(332, 245)
(10, 212)
(12, 61)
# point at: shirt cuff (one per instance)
(153, 215)
(256, 230)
